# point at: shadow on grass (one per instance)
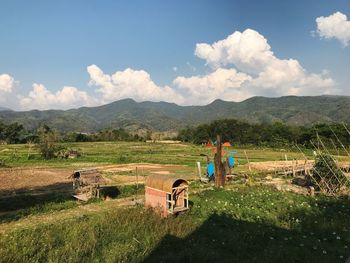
(26, 198)
(323, 237)
(110, 191)
(24, 202)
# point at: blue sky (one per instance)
(51, 43)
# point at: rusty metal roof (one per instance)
(164, 182)
(88, 176)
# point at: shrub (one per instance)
(327, 174)
(47, 142)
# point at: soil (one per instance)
(285, 185)
(27, 179)
(32, 178)
(277, 165)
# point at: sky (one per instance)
(67, 54)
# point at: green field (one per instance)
(135, 152)
(245, 222)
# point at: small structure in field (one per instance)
(69, 154)
(86, 183)
(167, 194)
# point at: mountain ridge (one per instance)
(165, 116)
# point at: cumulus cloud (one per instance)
(334, 26)
(250, 53)
(136, 84)
(222, 83)
(68, 97)
(288, 77)
(6, 83)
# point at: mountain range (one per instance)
(163, 116)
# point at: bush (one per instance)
(47, 142)
(327, 174)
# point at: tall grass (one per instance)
(245, 224)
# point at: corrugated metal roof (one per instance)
(164, 182)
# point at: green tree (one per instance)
(47, 142)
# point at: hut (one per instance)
(86, 183)
(167, 194)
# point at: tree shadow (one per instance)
(25, 198)
(109, 191)
(221, 238)
(23, 202)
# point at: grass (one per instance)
(131, 152)
(20, 206)
(244, 224)
(240, 223)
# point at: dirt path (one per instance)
(48, 218)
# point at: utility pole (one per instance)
(219, 167)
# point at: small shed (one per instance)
(86, 183)
(166, 193)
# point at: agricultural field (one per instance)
(250, 220)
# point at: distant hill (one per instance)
(164, 116)
(4, 109)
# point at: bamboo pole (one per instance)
(246, 156)
(346, 128)
(339, 141)
(314, 170)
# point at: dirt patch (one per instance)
(285, 185)
(22, 179)
(142, 167)
(31, 178)
(277, 165)
(161, 172)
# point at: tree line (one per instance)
(15, 133)
(235, 131)
(276, 134)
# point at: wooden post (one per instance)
(199, 170)
(246, 156)
(219, 174)
(137, 184)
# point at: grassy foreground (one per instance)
(241, 223)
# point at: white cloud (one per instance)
(334, 26)
(287, 77)
(222, 83)
(6, 83)
(250, 53)
(68, 97)
(136, 84)
(174, 68)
